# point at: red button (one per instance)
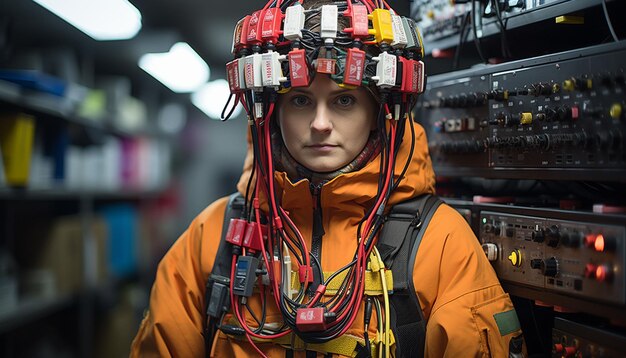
(590, 270)
(599, 243)
(604, 273)
(558, 348)
(575, 112)
(590, 240)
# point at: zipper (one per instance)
(318, 233)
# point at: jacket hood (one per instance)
(360, 186)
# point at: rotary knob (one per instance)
(516, 258)
(553, 235)
(491, 251)
(550, 267)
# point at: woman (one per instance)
(321, 171)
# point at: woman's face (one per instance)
(324, 126)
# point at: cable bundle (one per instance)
(386, 59)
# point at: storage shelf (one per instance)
(12, 95)
(75, 194)
(32, 309)
(516, 20)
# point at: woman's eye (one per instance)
(300, 101)
(345, 100)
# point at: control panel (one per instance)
(570, 257)
(572, 339)
(550, 117)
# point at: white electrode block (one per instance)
(252, 74)
(271, 74)
(386, 69)
(399, 35)
(294, 22)
(328, 23)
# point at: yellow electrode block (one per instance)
(381, 21)
(16, 140)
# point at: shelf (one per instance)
(32, 309)
(76, 194)
(60, 108)
(516, 20)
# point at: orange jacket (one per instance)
(468, 314)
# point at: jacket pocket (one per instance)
(497, 324)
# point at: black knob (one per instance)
(550, 267)
(572, 238)
(564, 113)
(538, 235)
(553, 236)
(551, 114)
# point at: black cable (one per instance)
(462, 38)
(475, 33)
(608, 21)
(506, 53)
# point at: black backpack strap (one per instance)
(220, 273)
(398, 244)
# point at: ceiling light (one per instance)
(100, 19)
(212, 98)
(181, 69)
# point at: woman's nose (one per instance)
(322, 122)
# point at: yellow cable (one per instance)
(379, 319)
(386, 298)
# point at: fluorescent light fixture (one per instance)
(212, 98)
(100, 19)
(181, 69)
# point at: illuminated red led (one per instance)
(603, 273)
(599, 243)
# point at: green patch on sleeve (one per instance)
(507, 322)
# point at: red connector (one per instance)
(235, 78)
(310, 319)
(240, 33)
(355, 64)
(253, 35)
(270, 26)
(236, 231)
(298, 68)
(360, 27)
(412, 76)
(326, 65)
(305, 271)
(252, 239)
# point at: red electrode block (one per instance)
(270, 26)
(251, 239)
(298, 68)
(355, 65)
(235, 82)
(240, 33)
(310, 319)
(326, 65)
(253, 36)
(360, 26)
(236, 231)
(412, 76)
